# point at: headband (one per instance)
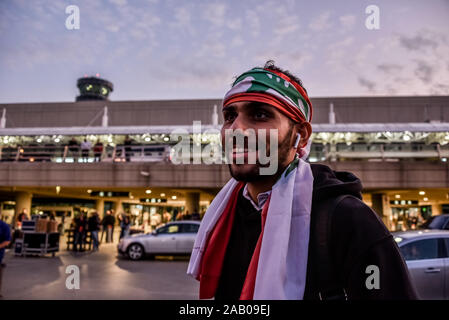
(273, 88)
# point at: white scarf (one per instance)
(282, 267)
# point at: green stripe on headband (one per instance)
(267, 82)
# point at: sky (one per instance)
(189, 49)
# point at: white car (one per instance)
(426, 253)
(174, 238)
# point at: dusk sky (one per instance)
(167, 49)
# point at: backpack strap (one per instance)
(329, 282)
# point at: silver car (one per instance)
(426, 253)
(172, 238)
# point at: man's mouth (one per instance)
(238, 153)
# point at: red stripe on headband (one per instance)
(288, 110)
(297, 86)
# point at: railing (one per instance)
(74, 154)
(162, 153)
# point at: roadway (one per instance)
(103, 275)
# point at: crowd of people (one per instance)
(74, 148)
(83, 225)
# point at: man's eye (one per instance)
(229, 116)
(260, 115)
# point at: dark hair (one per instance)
(271, 66)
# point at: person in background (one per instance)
(113, 220)
(74, 148)
(93, 225)
(98, 150)
(5, 239)
(108, 226)
(153, 221)
(21, 217)
(187, 216)
(52, 216)
(196, 216)
(175, 214)
(80, 232)
(128, 151)
(125, 224)
(85, 149)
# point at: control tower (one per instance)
(93, 88)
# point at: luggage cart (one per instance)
(39, 243)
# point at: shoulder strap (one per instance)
(329, 282)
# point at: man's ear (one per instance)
(305, 130)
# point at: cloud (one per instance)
(347, 21)
(424, 71)
(195, 73)
(321, 23)
(183, 20)
(338, 53)
(390, 68)
(286, 25)
(234, 24)
(287, 22)
(253, 21)
(119, 3)
(295, 60)
(440, 89)
(237, 41)
(215, 13)
(417, 42)
(368, 84)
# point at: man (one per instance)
(74, 148)
(108, 223)
(300, 233)
(85, 149)
(80, 232)
(93, 225)
(98, 150)
(21, 217)
(124, 225)
(128, 150)
(5, 239)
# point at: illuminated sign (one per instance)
(404, 202)
(109, 194)
(153, 200)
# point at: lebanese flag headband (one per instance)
(273, 88)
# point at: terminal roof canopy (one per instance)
(353, 110)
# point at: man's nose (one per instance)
(239, 124)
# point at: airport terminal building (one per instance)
(98, 154)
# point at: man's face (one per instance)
(255, 115)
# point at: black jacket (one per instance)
(93, 223)
(358, 239)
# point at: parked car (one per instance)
(440, 222)
(174, 238)
(426, 253)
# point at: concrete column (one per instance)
(436, 209)
(99, 205)
(23, 202)
(193, 202)
(117, 206)
(381, 205)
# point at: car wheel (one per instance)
(135, 251)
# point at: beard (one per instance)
(251, 172)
